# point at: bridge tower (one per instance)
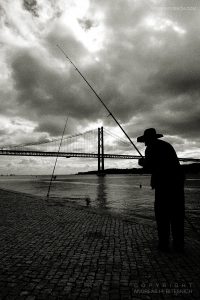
(100, 152)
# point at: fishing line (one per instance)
(99, 98)
(52, 175)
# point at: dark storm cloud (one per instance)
(46, 95)
(174, 87)
(182, 125)
(2, 132)
(178, 68)
(86, 24)
(171, 73)
(54, 127)
(147, 69)
(176, 82)
(31, 6)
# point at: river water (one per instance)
(124, 194)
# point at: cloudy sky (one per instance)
(141, 56)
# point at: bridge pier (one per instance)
(100, 152)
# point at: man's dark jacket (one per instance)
(162, 162)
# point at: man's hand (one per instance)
(141, 162)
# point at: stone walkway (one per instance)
(56, 250)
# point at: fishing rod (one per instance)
(52, 175)
(110, 113)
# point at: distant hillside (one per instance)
(117, 171)
(188, 169)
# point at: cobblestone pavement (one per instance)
(56, 250)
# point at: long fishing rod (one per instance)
(110, 113)
(52, 175)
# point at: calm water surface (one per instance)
(125, 194)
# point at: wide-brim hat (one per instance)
(149, 134)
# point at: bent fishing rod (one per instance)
(99, 98)
(52, 175)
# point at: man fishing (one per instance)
(168, 181)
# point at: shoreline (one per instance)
(67, 202)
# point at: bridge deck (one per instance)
(76, 154)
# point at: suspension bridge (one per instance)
(98, 143)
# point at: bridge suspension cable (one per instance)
(40, 143)
(116, 136)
